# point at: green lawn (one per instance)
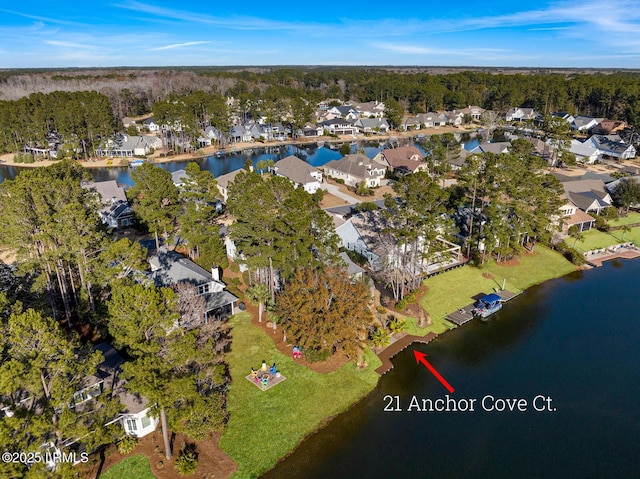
(594, 239)
(132, 467)
(455, 289)
(266, 425)
(630, 219)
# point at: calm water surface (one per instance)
(574, 339)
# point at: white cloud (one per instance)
(178, 45)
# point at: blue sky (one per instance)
(103, 33)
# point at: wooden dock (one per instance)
(624, 253)
(394, 348)
(465, 314)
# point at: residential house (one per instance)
(355, 169)
(584, 123)
(311, 129)
(339, 126)
(371, 109)
(355, 272)
(498, 147)
(431, 120)
(273, 131)
(299, 172)
(151, 125)
(544, 150)
(402, 160)
(178, 177)
(223, 182)
(169, 268)
(135, 416)
(521, 114)
(574, 216)
(129, 146)
(410, 123)
(372, 125)
(458, 158)
(454, 117)
(584, 152)
(366, 234)
(346, 112)
(608, 127)
(563, 115)
(613, 146)
(473, 112)
(587, 195)
(239, 133)
(115, 211)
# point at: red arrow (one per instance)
(420, 358)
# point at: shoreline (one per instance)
(7, 158)
(417, 339)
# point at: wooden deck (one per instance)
(465, 315)
(394, 348)
(624, 253)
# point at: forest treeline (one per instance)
(43, 100)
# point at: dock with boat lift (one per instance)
(465, 314)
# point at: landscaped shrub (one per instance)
(380, 337)
(411, 298)
(397, 325)
(381, 309)
(127, 444)
(187, 461)
(601, 224)
(340, 181)
(401, 305)
(572, 254)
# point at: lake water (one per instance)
(311, 153)
(573, 339)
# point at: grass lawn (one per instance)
(438, 325)
(455, 289)
(132, 467)
(630, 219)
(266, 425)
(594, 239)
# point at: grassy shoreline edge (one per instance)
(260, 421)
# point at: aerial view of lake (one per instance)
(234, 160)
(574, 340)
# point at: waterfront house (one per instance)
(431, 120)
(366, 234)
(311, 129)
(402, 160)
(587, 195)
(299, 172)
(239, 133)
(129, 146)
(339, 126)
(571, 215)
(372, 125)
(473, 112)
(521, 114)
(355, 169)
(410, 123)
(169, 268)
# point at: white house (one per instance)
(354, 169)
(613, 146)
(372, 125)
(584, 152)
(520, 114)
(299, 172)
